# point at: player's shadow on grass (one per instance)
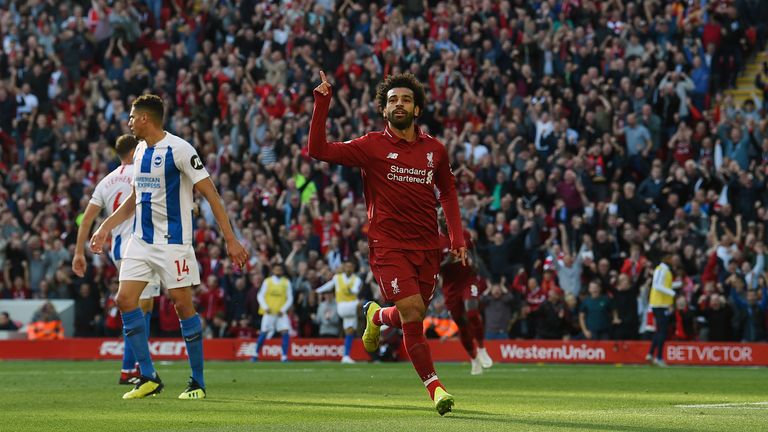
(477, 414)
(556, 425)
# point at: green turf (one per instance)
(84, 396)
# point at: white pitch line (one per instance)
(725, 405)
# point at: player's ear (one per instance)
(416, 111)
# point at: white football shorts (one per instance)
(348, 313)
(151, 290)
(174, 266)
(272, 323)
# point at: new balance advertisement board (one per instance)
(507, 351)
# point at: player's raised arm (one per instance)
(78, 261)
(327, 287)
(449, 200)
(236, 251)
(126, 210)
(351, 153)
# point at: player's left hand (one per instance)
(461, 255)
(237, 253)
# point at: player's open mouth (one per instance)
(399, 113)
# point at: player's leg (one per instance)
(134, 325)
(475, 320)
(192, 332)
(129, 370)
(285, 345)
(661, 316)
(177, 268)
(135, 330)
(284, 327)
(384, 264)
(388, 316)
(348, 313)
(656, 334)
(349, 338)
(147, 303)
(412, 311)
(268, 325)
(146, 306)
(458, 314)
(135, 273)
(427, 266)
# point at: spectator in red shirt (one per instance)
(243, 329)
(211, 298)
(19, 289)
(534, 296)
(113, 322)
(168, 319)
(571, 190)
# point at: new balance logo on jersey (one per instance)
(395, 288)
(392, 156)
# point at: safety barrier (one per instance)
(510, 351)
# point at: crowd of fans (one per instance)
(587, 139)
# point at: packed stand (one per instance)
(587, 139)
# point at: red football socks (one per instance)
(465, 334)
(388, 316)
(476, 321)
(418, 351)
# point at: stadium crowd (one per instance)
(588, 138)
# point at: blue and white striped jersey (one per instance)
(111, 191)
(164, 175)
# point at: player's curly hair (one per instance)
(406, 80)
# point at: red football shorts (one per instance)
(457, 293)
(402, 273)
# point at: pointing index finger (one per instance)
(322, 77)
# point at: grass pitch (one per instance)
(84, 396)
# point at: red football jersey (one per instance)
(399, 180)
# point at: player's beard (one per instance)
(401, 123)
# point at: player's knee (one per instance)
(412, 313)
(146, 305)
(185, 311)
(460, 320)
(125, 303)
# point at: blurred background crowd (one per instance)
(587, 137)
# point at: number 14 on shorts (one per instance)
(181, 267)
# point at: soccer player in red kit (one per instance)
(401, 168)
(461, 289)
